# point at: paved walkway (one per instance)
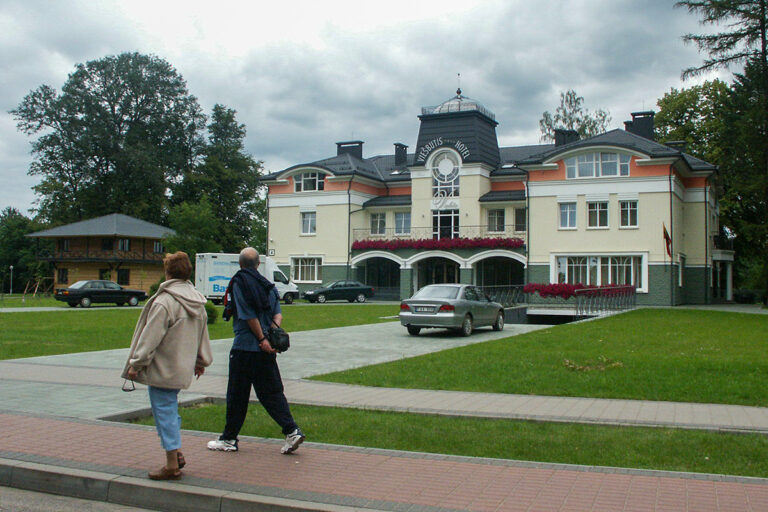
(84, 456)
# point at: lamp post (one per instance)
(11, 290)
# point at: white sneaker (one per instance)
(223, 445)
(292, 441)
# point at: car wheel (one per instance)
(85, 302)
(321, 298)
(499, 323)
(414, 331)
(361, 297)
(466, 326)
(288, 298)
(133, 301)
(72, 304)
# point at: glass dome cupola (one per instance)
(458, 103)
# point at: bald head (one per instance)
(249, 258)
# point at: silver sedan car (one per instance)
(450, 306)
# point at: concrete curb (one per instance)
(144, 493)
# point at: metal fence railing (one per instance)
(597, 301)
(506, 295)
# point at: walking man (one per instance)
(254, 304)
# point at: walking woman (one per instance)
(169, 345)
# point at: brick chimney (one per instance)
(563, 136)
(401, 154)
(641, 124)
(350, 147)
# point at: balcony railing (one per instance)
(723, 242)
(423, 233)
(598, 301)
(99, 255)
(506, 295)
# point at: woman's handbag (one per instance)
(278, 338)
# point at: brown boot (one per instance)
(165, 474)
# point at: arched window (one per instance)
(445, 169)
(595, 165)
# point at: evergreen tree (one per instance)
(229, 178)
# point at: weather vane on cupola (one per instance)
(458, 89)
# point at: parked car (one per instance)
(87, 292)
(450, 306)
(340, 290)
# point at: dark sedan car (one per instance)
(451, 306)
(87, 292)
(340, 290)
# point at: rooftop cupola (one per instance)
(464, 125)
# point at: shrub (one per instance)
(744, 297)
(155, 286)
(212, 312)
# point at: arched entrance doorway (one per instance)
(437, 270)
(383, 274)
(499, 271)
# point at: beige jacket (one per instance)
(171, 337)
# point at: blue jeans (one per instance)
(165, 409)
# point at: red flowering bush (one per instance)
(443, 243)
(566, 291)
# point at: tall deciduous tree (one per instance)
(572, 115)
(229, 178)
(122, 129)
(745, 172)
(696, 115)
(196, 228)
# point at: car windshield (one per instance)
(328, 285)
(79, 284)
(437, 292)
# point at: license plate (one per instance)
(424, 309)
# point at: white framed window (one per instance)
(567, 215)
(628, 214)
(601, 270)
(308, 223)
(520, 219)
(445, 224)
(402, 223)
(378, 223)
(157, 247)
(124, 244)
(309, 182)
(595, 165)
(496, 221)
(597, 214)
(306, 270)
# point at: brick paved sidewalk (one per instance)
(325, 477)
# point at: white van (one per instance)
(214, 270)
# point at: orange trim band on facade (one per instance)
(507, 185)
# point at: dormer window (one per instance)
(309, 182)
(596, 165)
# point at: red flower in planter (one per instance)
(441, 244)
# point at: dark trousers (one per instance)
(257, 369)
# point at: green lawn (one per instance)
(650, 354)
(17, 301)
(31, 334)
(649, 448)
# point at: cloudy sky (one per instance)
(303, 75)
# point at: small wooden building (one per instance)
(115, 247)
